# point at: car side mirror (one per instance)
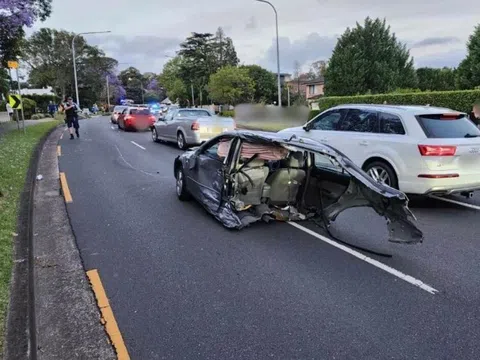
(307, 127)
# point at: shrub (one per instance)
(3, 105)
(456, 100)
(28, 107)
(42, 101)
(228, 113)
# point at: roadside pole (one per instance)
(20, 94)
(288, 95)
(193, 97)
(13, 90)
(108, 94)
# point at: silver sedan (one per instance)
(190, 127)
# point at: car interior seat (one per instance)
(250, 181)
(285, 182)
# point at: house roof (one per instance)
(316, 81)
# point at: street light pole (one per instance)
(278, 53)
(75, 60)
(108, 94)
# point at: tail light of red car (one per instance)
(151, 118)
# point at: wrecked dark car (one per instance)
(242, 177)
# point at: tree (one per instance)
(48, 54)
(468, 72)
(224, 51)
(318, 68)
(431, 79)
(202, 55)
(369, 59)
(231, 85)
(171, 80)
(14, 15)
(134, 84)
(265, 86)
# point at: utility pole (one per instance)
(75, 61)
(193, 97)
(279, 84)
(20, 94)
(108, 94)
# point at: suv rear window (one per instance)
(193, 113)
(447, 127)
(145, 111)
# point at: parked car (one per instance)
(417, 149)
(190, 127)
(242, 177)
(117, 110)
(136, 118)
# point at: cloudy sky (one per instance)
(144, 31)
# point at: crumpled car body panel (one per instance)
(362, 190)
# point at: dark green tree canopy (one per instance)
(468, 72)
(265, 83)
(431, 79)
(369, 59)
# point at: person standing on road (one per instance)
(72, 117)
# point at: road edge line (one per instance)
(67, 195)
(108, 319)
(376, 263)
(59, 150)
(456, 202)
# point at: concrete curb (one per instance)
(66, 321)
(20, 313)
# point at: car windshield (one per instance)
(448, 126)
(193, 113)
(145, 111)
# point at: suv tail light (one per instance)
(437, 150)
(151, 118)
(195, 125)
(128, 117)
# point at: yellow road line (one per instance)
(59, 150)
(108, 319)
(65, 190)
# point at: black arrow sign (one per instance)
(17, 100)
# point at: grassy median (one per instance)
(16, 149)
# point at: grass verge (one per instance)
(16, 149)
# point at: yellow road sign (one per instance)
(15, 101)
(13, 64)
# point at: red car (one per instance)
(136, 118)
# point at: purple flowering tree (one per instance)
(14, 15)
(117, 91)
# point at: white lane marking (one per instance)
(140, 146)
(371, 261)
(471, 206)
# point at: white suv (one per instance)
(416, 149)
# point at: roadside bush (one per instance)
(3, 106)
(40, 116)
(42, 101)
(28, 107)
(228, 113)
(456, 100)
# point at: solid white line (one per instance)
(371, 261)
(471, 206)
(140, 146)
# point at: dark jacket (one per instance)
(475, 120)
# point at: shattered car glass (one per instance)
(242, 177)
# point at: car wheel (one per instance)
(118, 125)
(382, 172)
(181, 186)
(154, 135)
(181, 143)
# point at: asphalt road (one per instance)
(183, 287)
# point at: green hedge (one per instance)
(228, 113)
(456, 100)
(42, 101)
